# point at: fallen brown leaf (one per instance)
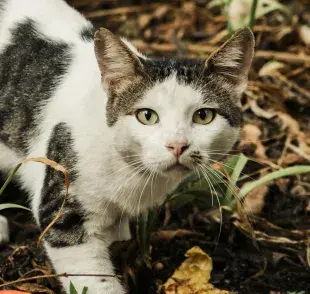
(293, 128)
(34, 288)
(255, 200)
(250, 134)
(192, 276)
(170, 234)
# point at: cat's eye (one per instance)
(203, 116)
(147, 116)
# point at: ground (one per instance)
(273, 254)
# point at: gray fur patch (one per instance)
(87, 34)
(68, 230)
(30, 70)
(188, 72)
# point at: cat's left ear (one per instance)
(119, 65)
(233, 60)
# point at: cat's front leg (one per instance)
(86, 259)
(77, 243)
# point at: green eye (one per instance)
(203, 116)
(147, 116)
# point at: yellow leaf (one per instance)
(193, 275)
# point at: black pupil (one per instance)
(202, 114)
(148, 114)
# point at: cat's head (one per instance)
(173, 116)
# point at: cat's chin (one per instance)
(177, 170)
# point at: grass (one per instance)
(74, 291)
(221, 184)
(8, 180)
(257, 9)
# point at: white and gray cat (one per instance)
(128, 128)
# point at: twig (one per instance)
(120, 10)
(64, 275)
(299, 151)
(208, 49)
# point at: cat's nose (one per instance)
(177, 148)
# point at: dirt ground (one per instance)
(274, 256)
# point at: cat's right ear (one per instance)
(119, 65)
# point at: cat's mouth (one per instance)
(178, 167)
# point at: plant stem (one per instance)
(229, 26)
(10, 177)
(253, 12)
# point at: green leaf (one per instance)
(183, 186)
(85, 289)
(72, 289)
(289, 171)
(231, 163)
(215, 177)
(181, 200)
(238, 167)
(215, 3)
(10, 177)
(11, 205)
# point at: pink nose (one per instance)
(177, 148)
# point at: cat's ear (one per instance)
(233, 59)
(119, 65)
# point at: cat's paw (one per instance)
(4, 230)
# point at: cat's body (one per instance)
(52, 104)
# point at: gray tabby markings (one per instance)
(68, 230)
(30, 70)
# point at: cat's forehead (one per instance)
(170, 94)
(177, 83)
(186, 71)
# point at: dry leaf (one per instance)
(144, 20)
(271, 68)
(304, 34)
(293, 129)
(13, 292)
(251, 135)
(193, 275)
(170, 234)
(255, 200)
(161, 11)
(34, 288)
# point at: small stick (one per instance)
(282, 56)
(120, 10)
(64, 275)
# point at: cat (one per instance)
(128, 128)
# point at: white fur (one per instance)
(4, 230)
(107, 187)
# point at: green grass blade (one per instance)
(10, 177)
(85, 289)
(11, 205)
(289, 171)
(253, 13)
(240, 164)
(72, 289)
